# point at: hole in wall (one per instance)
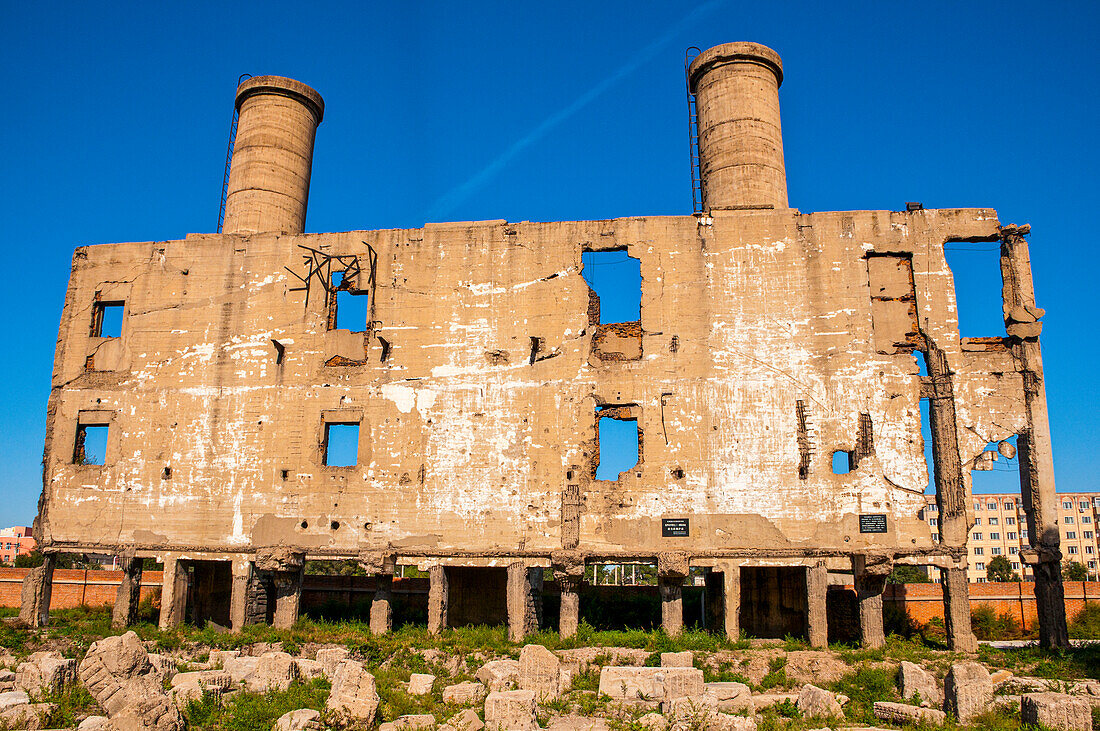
(284, 474)
(107, 321)
(618, 446)
(305, 524)
(352, 306)
(976, 269)
(91, 444)
(842, 462)
(997, 469)
(341, 444)
(616, 277)
(335, 525)
(167, 473)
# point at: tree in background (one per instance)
(1074, 571)
(903, 574)
(999, 569)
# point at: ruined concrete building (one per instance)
(768, 341)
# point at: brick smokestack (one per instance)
(272, 156)
(736, 87)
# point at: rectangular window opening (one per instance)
(107, 319)
(843, 462)
(618, 436)
(992, 472)
(976, 269)
(350, 307)
(616, 278)
(91, 444)
(341, 444)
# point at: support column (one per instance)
(173, 592)
(239, 594)
(129, 592)
(731, 580)
(672, 603)
(34, 610)
(288, 598)
(956, 610)
(817, 587)
(381, 611)
(569, 571)
(870, 581)
(437, 599)
(522, 612)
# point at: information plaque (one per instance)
(872, 523)
(674, 527)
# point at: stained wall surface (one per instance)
(768, 339)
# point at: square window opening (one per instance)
(350, 307)
(107, 319)
(976, 269)
(993, 472)
(618, 446)
(341, 444)
(843, 462)
(91, 444)
(616, 278)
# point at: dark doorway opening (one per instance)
(773, 601)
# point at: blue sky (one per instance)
(117, 121)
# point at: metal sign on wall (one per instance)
(674, 527)
(872, 523)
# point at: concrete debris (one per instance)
(465, 694)
(653, 722)
(1057, 711)
(913, 680)
(274, 671)
(817, 702)
(902, 713)
(677, 659)
(650, 685)
(730, 696)
(499, 675)
(353, 698)
(539, 671)
(466, 720)
(967, 690)
(45, 673)
(304, 719)
(576, 723)
(406, 723)
(420, 684)
(13, 698)
(119, 675)
(309, 669)
(511, 710)
(26, 716)
(330, 658)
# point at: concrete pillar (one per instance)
(731, 580)
(569, 616)
(272, 155)
(817, 588)
(173, 593)
(381, 613)
(34, 609)
(288, 597)
(736, 87)
(869, 587)
(522, 608)
(129, 592)
(672, 603)
(437, 599)
(956, 611)
(239, 594)
(1040, 501)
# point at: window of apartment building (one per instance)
(977, 521)
(976, 536)
(994, 536)
(1009, 505)
(991, 506)
(933, 508)
(1086, 518)
(341, 447)
(1090, 549)
(1015, 565)
(1010, 536)
(1086, 534)
(935, 536)
(1083, 505)
(977, 507)
(980, 566)
(995, 551)
(1023, 533)
(1072, 550)
(1092, 564)
(1068, 520)
(979, 551)
(107, 319)
(1071, 534)
(1013, 550)
(1010, 521)
(933, 521)
(992, 521)
(1067, 505)
(1096, 502)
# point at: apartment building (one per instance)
(1000, 529)
(15, 541)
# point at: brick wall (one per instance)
(925, 601)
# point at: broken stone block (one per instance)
(119, 675)
(677, 659)
(499, 675)
(465, 694)
(540, 671)
(330, 657)
(309, 669)
(304, 719)
(511, 710)
(13, 698)
(420, 684)
(653, 722)
(967, 690)
(164, 668)
(914, 680)
(816, 702)
(730, 696)
(45, 673)
(650, 684)
(586, 657)
(353, 698)
(95, 723)
(7, 681)
(26, 717)
(274, 671)
(765, 700)
(903, 713)
(218, 658)
(576, 723)
(218, 679)
(566, 675)
(240, 669)
(467, 720)
(423, 720)
(726, 722)
(1056, 711)
(692, 711)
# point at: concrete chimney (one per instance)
(272, 155)
(736, 87)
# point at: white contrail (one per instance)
(450, 200)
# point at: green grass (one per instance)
(73, 704)
(252, 711)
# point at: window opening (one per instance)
(107, 319)
(618, 435)
(341, 444)
(351, 307)
(842, 462)
(616, 278)
(996, 472)
(922, 363)
(91, 444)
(926, 435)
(976, 269)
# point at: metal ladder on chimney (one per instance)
(693, 135)
(229, 155)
